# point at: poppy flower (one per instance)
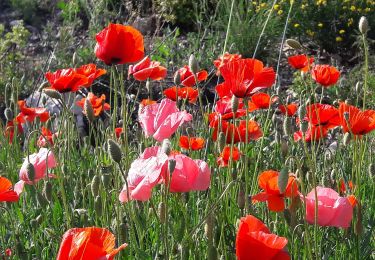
(151, 168)
(118, 131)
(193, 143)
(313, 133)
(333, 210)
(268, 181)
(189, 93)
(259, 101)
(255, 241)
(325, 75)
(343, 187)
(10, 129)
(322, 114)
(187, 76)
(228, 153)
(91, 72)
(40, 161)
(359, 122)
(224, 110)
(162, 119)
(289, 109)
(147, 101)
(30, 113)
(244, 77)
(88, 243)
(98, 103)
(301, 62)
(46, 134)
(238, 133)
(6, 191)
(119, 44)
(66, 80)
(147, 69)
(223, 59)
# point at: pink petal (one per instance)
(202, 182)
(184, 174)
(170, 125)
(18, 187)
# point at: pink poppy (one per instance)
(41, 160)
(162, 119)
(333, 210)
(146, 69)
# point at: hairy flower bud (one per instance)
(166, 147)
(171, 165)
(235, 103)
(177, 78)
(221, 141)
(282, 179)
(95, 183)
(161, 209)
(193, 64)
(89, 111)
(347, 138)
(98, 205)
(30, 170)
(114, 150)
(293, 44)
(363, 25)
(52, 93)
(47, 190)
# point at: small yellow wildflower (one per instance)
(310, 33)
(368, 9)
(276, 7)
(350, 21)
(339, 39)
(263, 5)
(296, 25)
(352, 8)
(280, 12)
(341, 31)
(303, 6)
(320, 25)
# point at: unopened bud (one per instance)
(235, 103)
(161, 209)
(88, 110)
(30, 170)
(98, 205)
(166, 147)
(221, 141)
(371, 170)
(95, 183)
(287, 126)
(363, 25)
(358, 87)
(193, 64)
(114, 150)
(41, 199)
(293, 44)
(74, 58)
(171, 165)
(282, 179)
(47, 190)
(209, 228)
(8, 114)
(284, 148)
(333, 175)
(43, 85)
(177, 79)
(106, 180)
(52, 93)
(347, 138)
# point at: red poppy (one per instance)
(228, 153)
(147, 101)
(322, 114)
(189, 93)
(66, 80)
(98, 103)
(300, 62)
(147, 69)
(359, 123)
(289, 109)
(118, 131)
(88, 243)
(187, 76)
(223, 59)
(325, 75)
(119, 44)
(9, 130)
(6, 192)
(193, 143)
(244, 77)
(313, 133)
(255, 241)
(238, 133)
(46, 134)
(268, 181)
(91, 72)
(259, 101)
(30, 113)
(343, 187)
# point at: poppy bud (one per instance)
(74, 58)
(333, 175)
(363, 25)
(371, 169)
(282, 179)
(171, 165)
(287, 126)
(95, 183)
(241, 198)
(41, 200)
(347, 137)
(358, 87)
(161, 209)
(166, 147)
(209, 228)
(98, 205)
(52, 93)
(303, 126)
(43, 85)
(222, 141)
(293, 44)
(8, 114)
(89, 111)
(30, 170)
(114, 151)
(47, 191)
(106, 180)
(193, 64)
(284, 148)
(123, 228)
(177, 78)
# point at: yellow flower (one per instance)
(310, 33)
(280, 12)
(303, 6)
(352, 8)
(350, 21)
(263, 5)
(296, 25)
(368, 9)
(341, 31)
(276, 7)
(339, 39)
(320, 25)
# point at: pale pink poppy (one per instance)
(333, 210)
(162, 119)
(151, 168)
(41, 160)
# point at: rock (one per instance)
(146, 25)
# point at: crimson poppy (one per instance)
(313, 133)
(147, 69)
(88, 243)
(223, 59)
(244, 77)
(66, 80)
(6, 192)
(255, 241)
(259, 101)
(187, 76)
(118, 131)
(325, 75)
(189, 93)
(289, 109)
(322, 114)
(91, 72)
(98, 103)
(268, 181)
(359, 122)
(30, 113)
(193, 143)
(300, 62)
(119, 44)
(228, 153)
